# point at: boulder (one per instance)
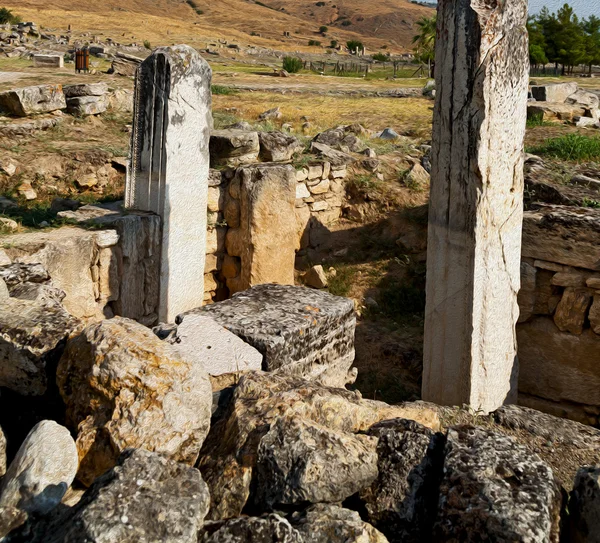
(201, 340)
(267, 529)
(584, 507)
(32, 100)
(228, 457)
(417, 177)
(326, 523)
(342, 138)
(495, 489)
(125, 388)
(278, 147)
(87, 105)
(585, 99)
(299, 461)
(550, 111)
(146, 497)
(315, 277)
(42, 470)
(233, 147)
(32, 337)
(299, 331)
(402, 501)
(121, 66)
(85, 89)
(558, 92)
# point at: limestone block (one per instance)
(594, 315)
(265, 529)
(315, 171)
(569, 279)
(302, 220)
(48, 61)
(302, 174)
(550, 266)
(558, 92)
(259, 400)
(232, 212)
(32, 100)
(146, 497)
(210, 283)
(233, 147)
(266, 238)
(315, 277)
(588, 100)
(42, 470)
(300, 331)
(338, 173)
(121, 66)
(169, 170)
(584, 506)
(572, 310)
(302, 191)
(478, 498)
(401, 502)
(558, 365)
(326, 170)
(299, 461)
(125, 388)
(593, 282)
(319, 206)
(320, 188)
(527, 293)
(216, 199)
(215, 240)
(337, 159)
(87, 105)
(278, 147)
(549, 111)
(212, 264)
(32, 336)
(85, 89)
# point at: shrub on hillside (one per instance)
(323, 29)
(292, 65)
(314, 43)
(380, 57)
(354, 46)
(7, 16)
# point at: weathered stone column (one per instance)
(476, 203)
(168, 173)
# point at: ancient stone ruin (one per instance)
(163, 379)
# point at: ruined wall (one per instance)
(559, 328)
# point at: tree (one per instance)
(7, 16)
(323, 29)
(591, 28)
(537, 43)
(425, 41)
(292, 65)
(569, 40)
(354, 46)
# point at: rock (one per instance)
(16, 273)
(121, 66)
(241, 125)
(388, 134)
(32, 337)
(586, 181)
(558, 92)
(26, 190)
(417, 177)
(299, 461)
(271, 114)
(299, 331)
(202, 341)
(8, 168)
(315, 277)
(572, 310)
(594, 315)
(8, 224)
(584, 506)
(42, 470)
(341, 138)
(402, 502)
(65, 204)
(228, 456)
(429, 89)
(586, 122)
(87, 105)
(337, 159)
(266, 235)
(325, 523)
(321, 187)
(585, 99)
(85, 89)
(146, 497)
(27, 101)
(527, 293)
(550, 111)
(495, 489)
(46, 295)
(570, 370)
(123, 387)
(2, 455)
(278, 147)
(267, 529)
(371, 164)
(48, 61)
(10, 519)
(302, 191)
(233, 147)
(4, 294)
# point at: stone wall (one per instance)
(559, 327)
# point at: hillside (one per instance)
(382, 24)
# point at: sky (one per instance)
(583, 8)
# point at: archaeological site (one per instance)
(298, 272)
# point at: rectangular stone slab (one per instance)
(299, 331)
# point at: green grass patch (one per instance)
(538, 120)
(221, 119)
(341, 283)
(571, 147)
(222, 90)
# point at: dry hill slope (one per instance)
(380, 23)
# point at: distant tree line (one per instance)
(563, 39)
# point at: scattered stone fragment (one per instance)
(123, 387)
(325, 523)
(417, 177)
(588, 100)
(402, 502)
(8, 224)
(584, 507)
(17, 273)
(42, 470)
(85, 89)
(267, 529)
(26, 190)
(388, 134)
(337, 159)
(233, 147)
(271, 114)
(558, 92)
(278, 147)
(87, 105)
(32, 100)
(495, 489)
(299, 461)
(572, 310)
(315, 277)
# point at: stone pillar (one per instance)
(168, 173)
(476, 203)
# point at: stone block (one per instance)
(233, 147)
(594, 314)
(584, 507)
(299, 331)
(278, 147)
(302, 191)
(85, 89)
(572, 309)
(558, 92)
(315, 171)
(569, 279)
(549, 111)
(48, 61)
(527, 293)
(321, 187)
(585, 99)
(87, 105)
(32, 100)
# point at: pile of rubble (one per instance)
(564, 102)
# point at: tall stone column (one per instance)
(475, 217)
(168, 172)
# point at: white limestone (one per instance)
(168, 174)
